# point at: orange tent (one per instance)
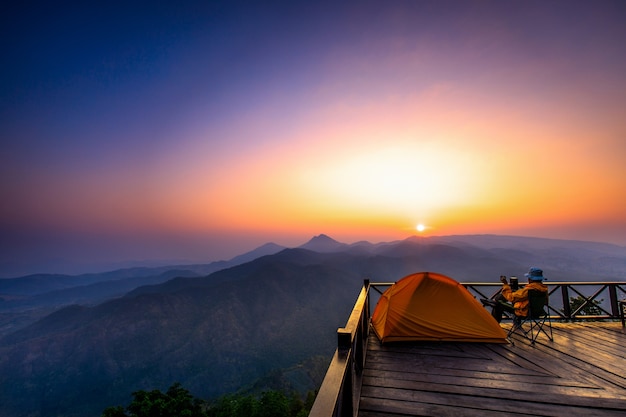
(431, 306)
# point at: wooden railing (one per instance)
(589, 296)
(340, 391)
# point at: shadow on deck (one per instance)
(581, 373)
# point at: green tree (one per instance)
(234, 405)
(591, 309)
(114, 412)
(274, 404)
(176, 402)
(229, 405)
(310, 399)
(295, 404)
(247, 406)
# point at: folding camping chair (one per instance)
(536, 318)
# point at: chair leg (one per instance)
(543, 322)
(518, 324)
(514, 326)
(533, 326)
(550, 327)
(538, 326)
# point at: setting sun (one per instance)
(404, 127)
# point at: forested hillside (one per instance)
(270, 322)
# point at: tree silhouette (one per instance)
(591, 309)
(176, 402)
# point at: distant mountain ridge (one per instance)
(31, 297)
(226, 330)
(41, 283)
(26, 299)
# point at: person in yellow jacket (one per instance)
(518, 298)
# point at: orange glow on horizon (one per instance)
(376, 171)
(239, 127)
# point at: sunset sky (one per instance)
(200, 130)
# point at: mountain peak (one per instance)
(323, 243)
(322, 238)
(266, 249)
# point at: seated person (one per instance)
(519, 298)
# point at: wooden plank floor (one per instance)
(581, 373)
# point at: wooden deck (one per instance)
(581, 373)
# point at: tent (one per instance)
(431, 306)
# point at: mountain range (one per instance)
(73, 345)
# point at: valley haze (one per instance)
(74, 266)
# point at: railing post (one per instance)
(347, 394)
(567, 309)
(344, 339)
(366, 313)
(344, 407)
(363, 331)
(613, 296)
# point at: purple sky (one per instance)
(195, 131)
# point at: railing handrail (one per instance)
(562, 298)
(568, 312)
(548, 283)
(339, 393)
